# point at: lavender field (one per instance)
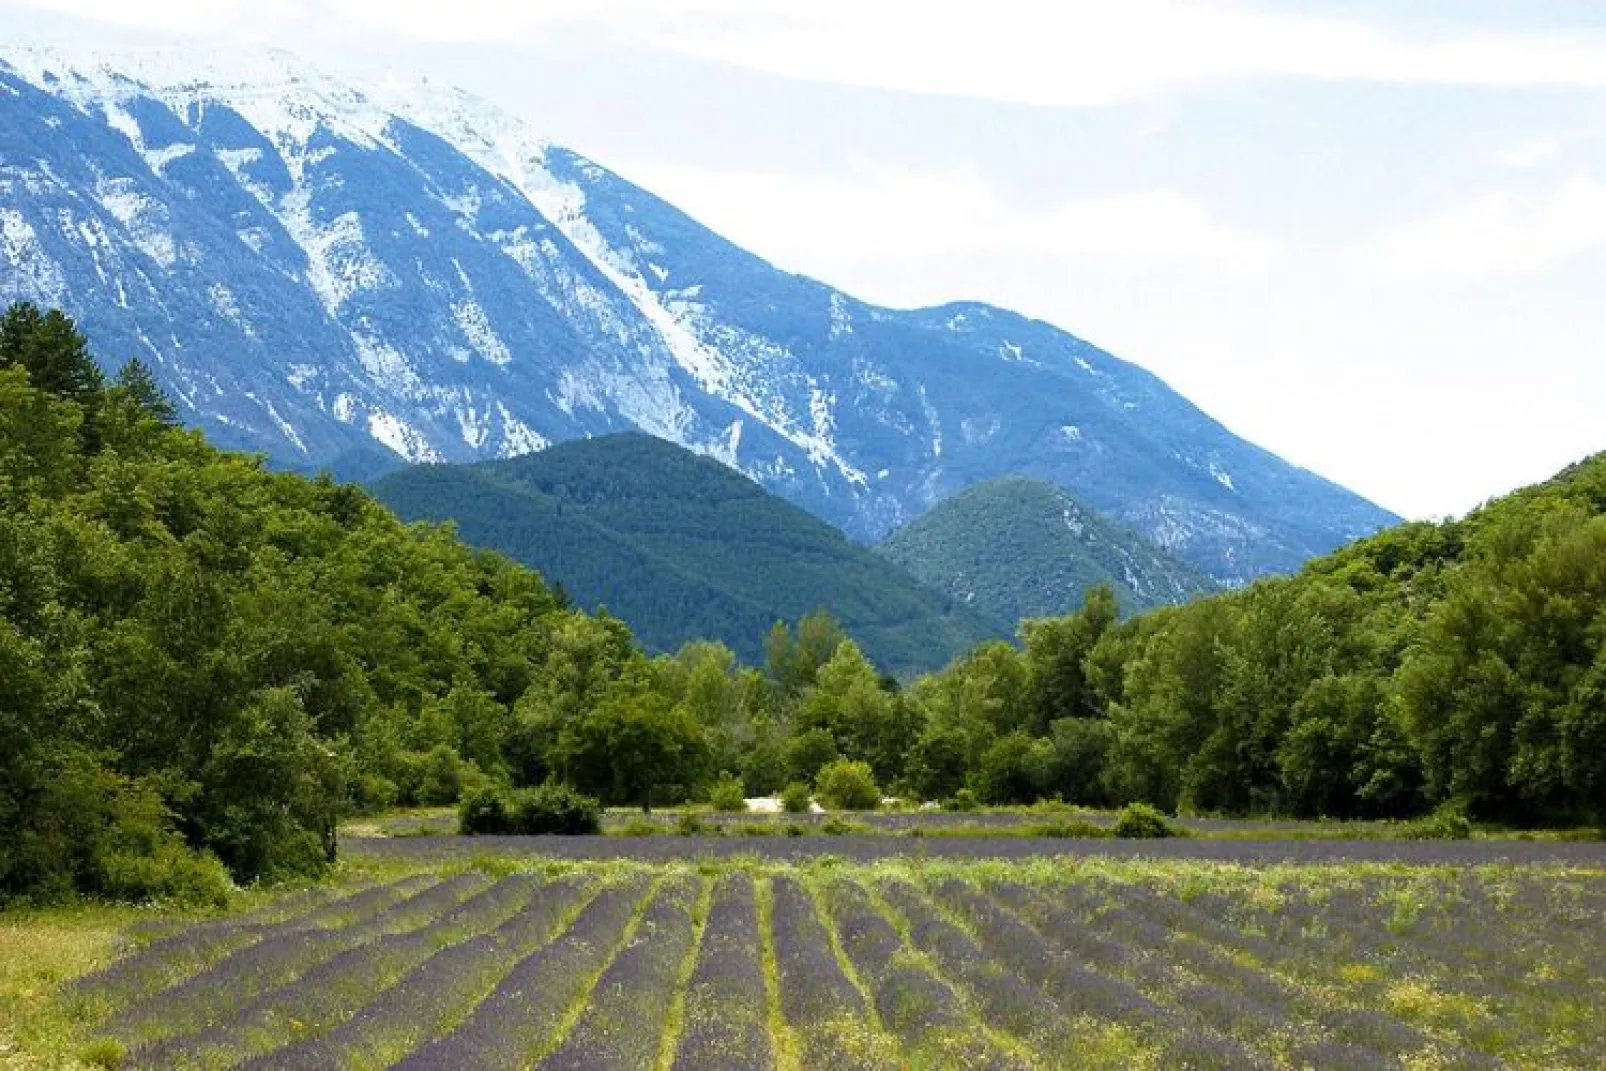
(1039, 963)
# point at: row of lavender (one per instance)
(940, 965)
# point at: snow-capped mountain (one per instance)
(353, 277)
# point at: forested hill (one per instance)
(681, 547)
(1459, 664)
(204, 663)
(1014, 548)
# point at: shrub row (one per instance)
(546, 809)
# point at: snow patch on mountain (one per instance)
(315, 269)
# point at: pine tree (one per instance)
(138, 382)
(50, 347)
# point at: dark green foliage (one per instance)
(807, 750)
(1015, 548)
(939, 762)
(847, 785)
(48, 346)
(202, 660)
(684, 548)
(1014, 769)
(138, 384)
(962, 801)
(554, 809)
(636, 747)
(1139, 821)
(484, 813)
(546, 810)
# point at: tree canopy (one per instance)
(204, 664)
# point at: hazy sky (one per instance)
(1369, 235)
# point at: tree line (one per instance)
(205, 664)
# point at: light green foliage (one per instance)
(796, 797)
(866, 721)
(847, 785)
(727, 795)
(1139, 821)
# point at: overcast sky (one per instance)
(1369, 235)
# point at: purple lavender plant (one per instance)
(520, 1017)
(434, 998)
(724, 1019)
(630, 1001)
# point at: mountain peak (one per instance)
(320, 270)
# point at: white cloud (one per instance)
(875, 212)
(1073, 52)
(1530, 153)
(1497, 234)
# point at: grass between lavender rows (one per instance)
(911, 962)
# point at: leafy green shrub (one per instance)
(962, 800)
(372, 793)
(835, 826)
(640, 826)
(555, 809)
(1139, 821)
(796, 797)
(848, 785)
(440, 777)
(546, 809)
(1448, 822)
(484, 814)
(171, 872)
(100, 833)
(809, 752)
(727, 795)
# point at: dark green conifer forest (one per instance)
(205, 665)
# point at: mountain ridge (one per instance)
(682, 548)
(315, 269)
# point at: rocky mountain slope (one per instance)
(352, 277)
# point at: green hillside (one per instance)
(1459, 664)
(683, 548)
(1015, 548)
